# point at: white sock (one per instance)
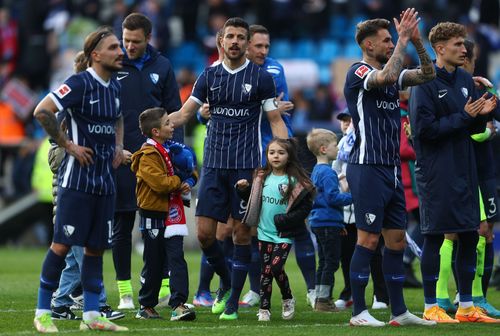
(430, 305)
(465, 304)
(40, 312)
(90, 315)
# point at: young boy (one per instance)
(162, 219)
(326, 218)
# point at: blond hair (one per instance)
(318, 137)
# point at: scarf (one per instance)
(176, 220)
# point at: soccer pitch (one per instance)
(19, 272)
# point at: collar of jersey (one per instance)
(231, 71)
(97, 78)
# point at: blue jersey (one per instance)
(237, 99)
(91, 107)
(276, 70)
(376, 117)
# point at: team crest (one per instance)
(62, 91)
(282, 188)
(153, 233)
(154, 77)
(362, 71)
(465, 92)
(370, 218)
(246, 88)
(175, 213)
(68, 230)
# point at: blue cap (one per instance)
(343, 114)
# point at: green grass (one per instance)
(19, 272)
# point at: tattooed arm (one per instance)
(425, 73)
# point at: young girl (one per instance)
(280, 199)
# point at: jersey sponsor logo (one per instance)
(63, 90)
(121, 75)
(387, 105)
(442, 93)
(246, 88)
(370, 218)
(362, 71)
(101, 129)
(231, 112)
(153, 233)
(68, 230)
(465, 92)
(272, 200)
(92, 102)
(154, 77)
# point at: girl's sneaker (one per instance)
(288, 309)
(264, 315)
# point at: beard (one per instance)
(230, 54)
(382, 59)
(112, 67)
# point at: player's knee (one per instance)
(205, 238)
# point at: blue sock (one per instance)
(360, 273)
(206, 274)
(254, 268)
(49, 278)
(91, 282)
(216, 259)
(241, 261)
(429, 265)
(306, 258)
(394, 274)
(466, 263)
(489, 255)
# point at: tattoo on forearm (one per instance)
(49, 123)
(390, 74)
(426, 71)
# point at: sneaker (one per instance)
(379, 304)
(482, 303)
(474, 314)
(264, 315)
(447, 305)
(325, 305)
(311, 297)
(126, 302)
(220, 301)
(343, 304)
(101, 323)
(288, 309)
(203, 299)
(107, 312)
(408, 318)
(43, 324)
(364, 319)
(77, 302)
(250, 299)
(163, 301)
(229, 316)
(183, 313)
(439, 315)
(63, 313)
(147, 313)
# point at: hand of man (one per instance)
(407, 24)
(489, 104)
(473, 108)
(82, 154)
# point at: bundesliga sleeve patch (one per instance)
(362, 71)
(62, 91)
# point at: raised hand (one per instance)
(407, 25)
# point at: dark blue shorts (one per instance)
(378, 197)
(84, 219)
(217, 197)
(490, 200)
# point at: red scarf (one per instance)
(176, 220)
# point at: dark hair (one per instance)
(149, 119)
(237, 22)
(444, 31)
(93, 40)
(369, 28)
(136, 21)
(80, 62)
(293, 168)
(258, 29)
(469, 47)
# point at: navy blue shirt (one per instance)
(376, 117)
(236, 99)
(91, 107)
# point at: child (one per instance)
(327, 217)
(279, 202)
(162, 219)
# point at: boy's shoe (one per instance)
(250, 299)
(101, 323)
(379, 304)
(475, 315)
(343, 304)
(228, 317)
(447, 306)
(325, 305)
(203, 299)
(77, 302)
(43, 324)
(364, 319)
(147, 313)
(408, 318)
(126, 302)
(107, 312)
(63, 313)
(439, 315)
(264, 315)
(311, 297)
(183, 313)
(220, 301)
(288, 309)
(482, 303)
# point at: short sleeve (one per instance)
(68, 94)
(358, 75)
(199, 93)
